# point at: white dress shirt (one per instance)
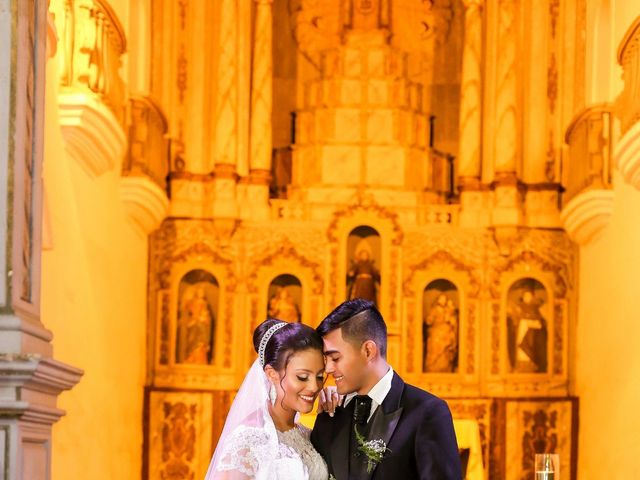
(377, 394)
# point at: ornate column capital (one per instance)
(146, 203)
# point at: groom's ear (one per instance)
(370, 349)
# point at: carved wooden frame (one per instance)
(500, 381)
(198, 256)
(386, 224)
(443, 265)
(285, 260)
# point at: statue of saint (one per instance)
(528, 334)
(196, 329)
(283, 306)
(363, 274)
(442, 336)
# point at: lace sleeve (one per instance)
(245, 451)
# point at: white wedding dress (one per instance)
(247, 451)
(250, 447)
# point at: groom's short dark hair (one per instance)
(360, 321)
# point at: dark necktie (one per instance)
(362, 410)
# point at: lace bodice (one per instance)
(247, 452)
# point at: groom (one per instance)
(415, 426)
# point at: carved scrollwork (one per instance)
(287, 251)
(442, 256)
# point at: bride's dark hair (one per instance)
(292, 338)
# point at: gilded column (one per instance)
(506, 146)
(261, 106)
(507, 207)
(470, 101)
(472, 199)
(226, 119)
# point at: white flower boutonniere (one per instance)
(331, 477)
(374, 450)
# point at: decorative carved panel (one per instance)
(179, 435)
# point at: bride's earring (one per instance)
(272, 394)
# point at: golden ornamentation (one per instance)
(590, 139)
(148, 148)
(444, 257)
(189, 238)
(495, 338)
(410, 338)
(93, 43)
(287, 251)
(558, 334)
(540, 436)
(178, 441)
(523, 261)
(471, 337)
(365, 206)
(165, 298)
(393, 284)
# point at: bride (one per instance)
(261, 438)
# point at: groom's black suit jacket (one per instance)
(415, 425)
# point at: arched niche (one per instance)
(285, 297)
(527, 327)
(364, 257)
(440, 327)
(197, 315)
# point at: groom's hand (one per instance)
(329, 399)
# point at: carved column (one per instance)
(226, 119)
(506, 149)
(30, 379)
(507, 207)
(470, 95)
(261, 103)
(469, 165)
(540, 106)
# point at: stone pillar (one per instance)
(261, 107)
(507, 200)
(225, 205)
(471, 94)
(30, 378)
(473, 211)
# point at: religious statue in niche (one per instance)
(527, 327)
(440, 327)
(285, 298)
(363, 276)
(197, 306)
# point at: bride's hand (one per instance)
(329, 399)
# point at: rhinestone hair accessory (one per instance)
(265, 339)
